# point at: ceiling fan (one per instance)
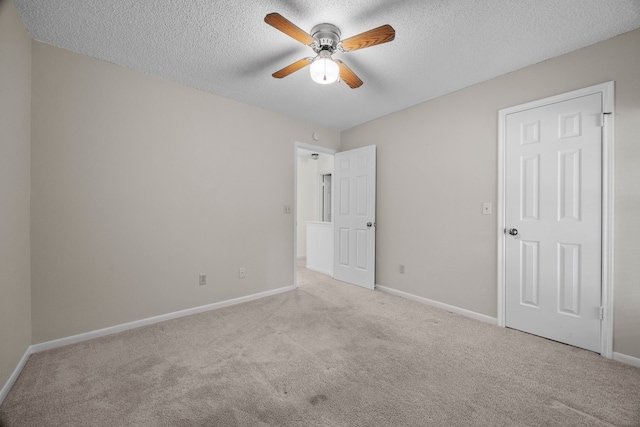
(325, 41)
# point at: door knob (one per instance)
(513, 231)
(369, 224)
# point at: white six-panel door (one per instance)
(354, 185)
(553, 200)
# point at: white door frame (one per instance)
(607, 91)
(297, 147)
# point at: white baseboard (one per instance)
(35, 348)
(622, 358)
(151, 320)
(319, 270)
(14, 376)
(447, 307)
(627, 360)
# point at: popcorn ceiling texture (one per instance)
(224, 47)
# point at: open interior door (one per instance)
(355, 216)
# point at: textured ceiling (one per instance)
(226, 48)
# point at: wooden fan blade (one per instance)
(292, 68)
(281, 23)
(348, 76)
(379, 35)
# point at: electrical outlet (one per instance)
(286, 209)
(402, 268)
(241, 273)
(203, 279)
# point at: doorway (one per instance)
(313, 209)
(555, 217)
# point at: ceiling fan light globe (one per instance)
(324, 71)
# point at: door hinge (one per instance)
(602, 119)
(601, 313)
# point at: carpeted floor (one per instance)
(326, 354)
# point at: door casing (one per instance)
(607, 91)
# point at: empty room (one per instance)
(287, 213)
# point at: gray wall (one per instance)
(437, 164)
(140, 185)
(15, 116)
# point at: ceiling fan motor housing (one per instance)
(326, 37)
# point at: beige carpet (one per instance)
(326, 354)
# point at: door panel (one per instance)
(569, 186)
(529, 266)
(530, 192)
(355, 196)
(553, 164)
(569, 278)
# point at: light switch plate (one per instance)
(486, 209)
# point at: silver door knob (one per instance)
(513, 231)
(370, 224)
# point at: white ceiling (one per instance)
(226, 48)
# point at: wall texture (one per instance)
(437, 163)
(15, 119)
(140, 185)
